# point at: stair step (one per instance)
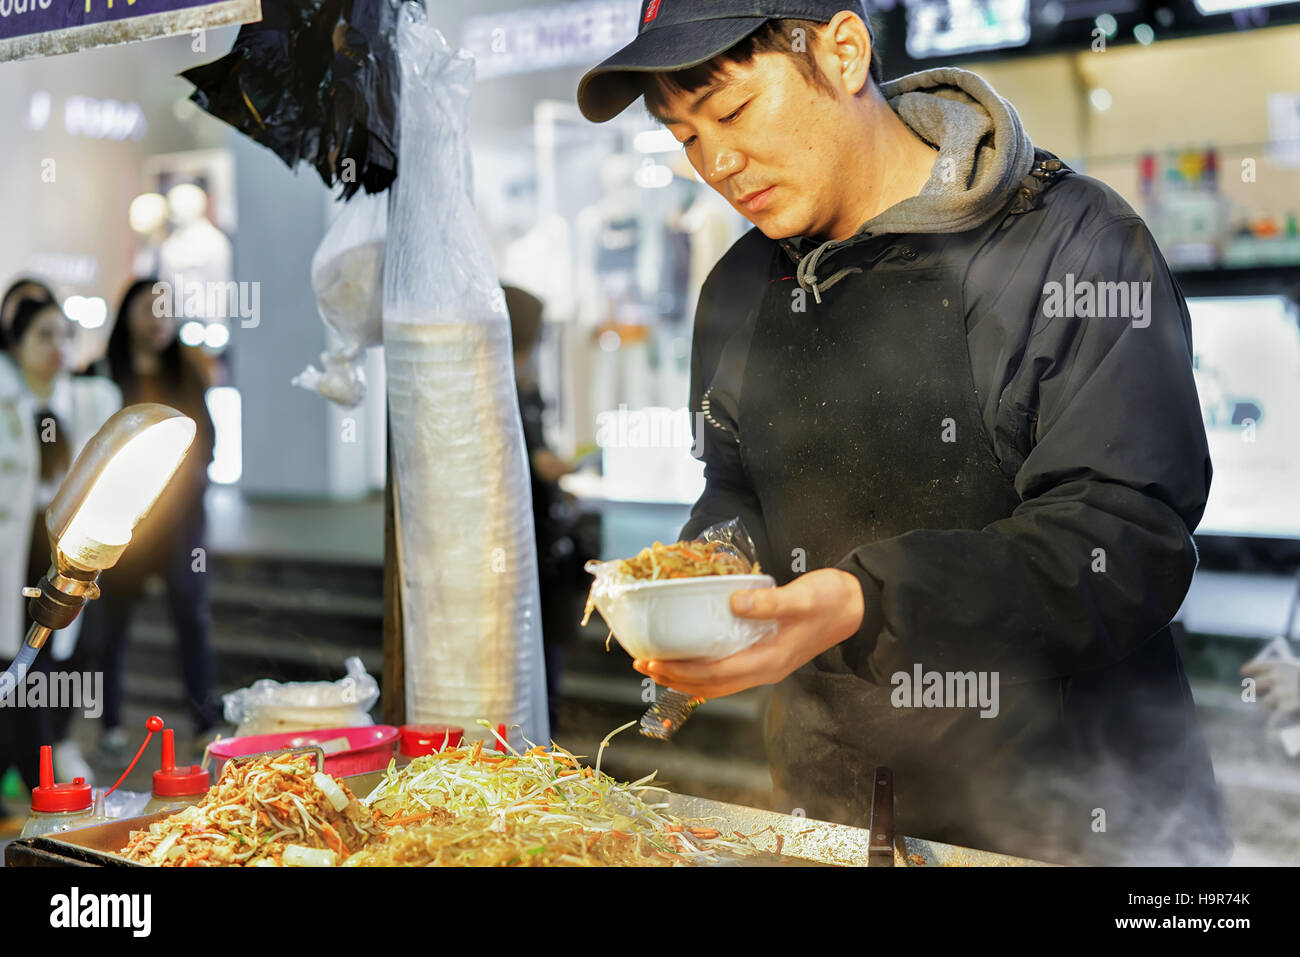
(268, 599)
(298, 571)
(157, 640)
(746, 706)
(315, 601)
(155, 690)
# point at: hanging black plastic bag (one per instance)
(314, 81)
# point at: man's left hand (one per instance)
(814, 612)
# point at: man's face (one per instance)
(771, 143)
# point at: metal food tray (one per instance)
(804, 841)
(822, 842)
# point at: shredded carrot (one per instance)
(334, 841)
(398, 821)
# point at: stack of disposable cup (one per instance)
(470, 603)
(469, 573)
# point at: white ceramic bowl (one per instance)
(683, 617)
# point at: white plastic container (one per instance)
(681, 617)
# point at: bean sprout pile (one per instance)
(538, 807)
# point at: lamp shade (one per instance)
(114, 482)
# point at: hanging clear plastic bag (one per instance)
(347, 275)
(674, 601)
(267, 706)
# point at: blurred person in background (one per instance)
(559, 559)
(149, 364)
(46, 416)
(22, 288)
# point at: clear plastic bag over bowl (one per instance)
(676, 618)
(267, 706)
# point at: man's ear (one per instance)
(846, 47)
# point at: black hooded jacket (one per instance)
(1095, 420)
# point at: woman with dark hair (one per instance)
(46, 416)
(149, 364)
(19, 290)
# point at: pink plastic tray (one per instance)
(371, 747)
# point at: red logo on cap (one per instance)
(651, 11)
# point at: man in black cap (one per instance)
(946, 383)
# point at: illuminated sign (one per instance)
(31, 28)
(574, 34)
(947, 27)
(1211, 7)
(64, 268)
(89, 117)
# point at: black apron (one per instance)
(859, 421)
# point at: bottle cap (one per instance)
(51, 798)
(171, 781)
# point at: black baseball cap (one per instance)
(678, 34)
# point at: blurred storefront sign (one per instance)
(572, 34)
(949, 27)
(66, 269)
(88, 117)
(1284, 128)
(1211, 7)
(30, 28)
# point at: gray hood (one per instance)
(984, 153)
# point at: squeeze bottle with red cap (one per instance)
(175, 789)
(57, 807)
